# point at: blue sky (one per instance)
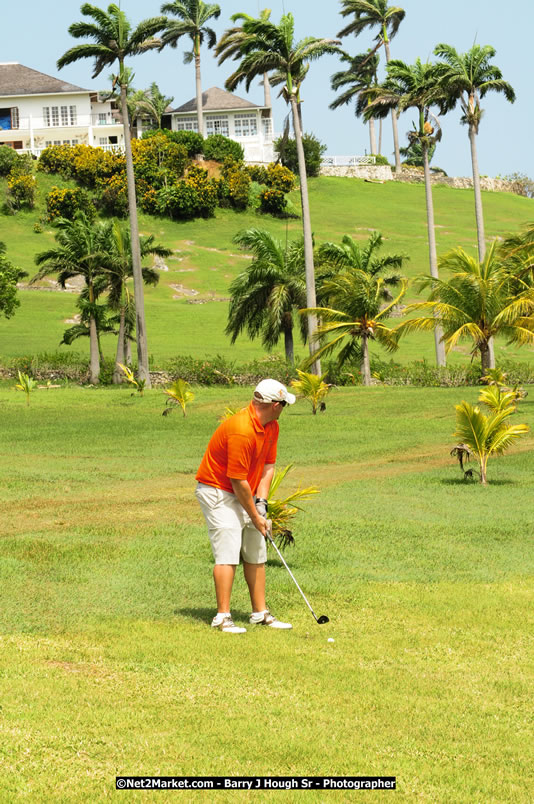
(504, 143)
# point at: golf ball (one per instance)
(329, 639)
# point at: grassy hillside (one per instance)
(205, 261)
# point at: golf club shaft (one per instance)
(292, 576)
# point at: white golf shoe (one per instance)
(225, 623)
(266, 618)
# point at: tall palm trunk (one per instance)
(307, 232)
(94, 356)
(266, 90)
(372, 137)
(486, 357)
(432, 253)
(142, 348)
(127, 349)
(380, 136)
(366, 363)
(288, 339)
(479, 214)
(119, 357)
(393, 113)
(198, 81)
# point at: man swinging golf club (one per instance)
(233, 482)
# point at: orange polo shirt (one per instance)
(239, 449)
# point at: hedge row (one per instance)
(219, 370)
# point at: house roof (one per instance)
(216, 100)
(16, 79)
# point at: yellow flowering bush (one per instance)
(65, 203)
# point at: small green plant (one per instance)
(129, 376)
(282, 511)
(312, 388)
(26, 384)
(227, 412)
(481, 436)
(178, 394)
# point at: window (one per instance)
(55, 115)
(217, 125)
(73, 116)
(102, 119)
(48, 143)
(267, 127)
(15, 121)
(103, 141)
(186, 124)
(46, 115)
(57, 142)
(245, 125)
(64, 116)
(74, 142)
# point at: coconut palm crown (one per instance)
(192, 18)
(359, 76)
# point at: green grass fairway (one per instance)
(205, 261)
(108, 664)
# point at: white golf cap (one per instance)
(273, 391)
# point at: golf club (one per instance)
(319, 620)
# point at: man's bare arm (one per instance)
(243, 493)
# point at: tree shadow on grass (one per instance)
(459, 481)
(206, 615)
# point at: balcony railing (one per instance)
(80, 121)
(347, 161)
(38, 151)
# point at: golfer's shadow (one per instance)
(205, 615)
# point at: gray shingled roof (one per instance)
(16, 79)
(217, 100)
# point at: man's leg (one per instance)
(255, 578)
(223, 576)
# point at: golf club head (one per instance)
(323, 619)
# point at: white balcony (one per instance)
(26, 124)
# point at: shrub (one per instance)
(7, 158)
(57, 159)
(113, 195)
(91, 165)
(235, 184)
(218, 148)
(21, 191)
(280, 178)
(313, 152)
(272, 201)
(191, 140)
(381, 160)
(192, 196)
(65, 203)
(158, 160)
(258, 173)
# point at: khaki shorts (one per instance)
(231, 532)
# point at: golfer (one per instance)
(233, 482)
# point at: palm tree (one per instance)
(192, 16)
(484, 436)
(356, 315)
(465, 79)
(269, 47)
(151, 103)
(360, 75)
(416, 86)
(79, 252)
(352, 255)
(479, 301)
(234, 42)
(266, 296)
(118, 269)
(114, 40)
(372, 14)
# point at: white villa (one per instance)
(37, 110)
(224, 113)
